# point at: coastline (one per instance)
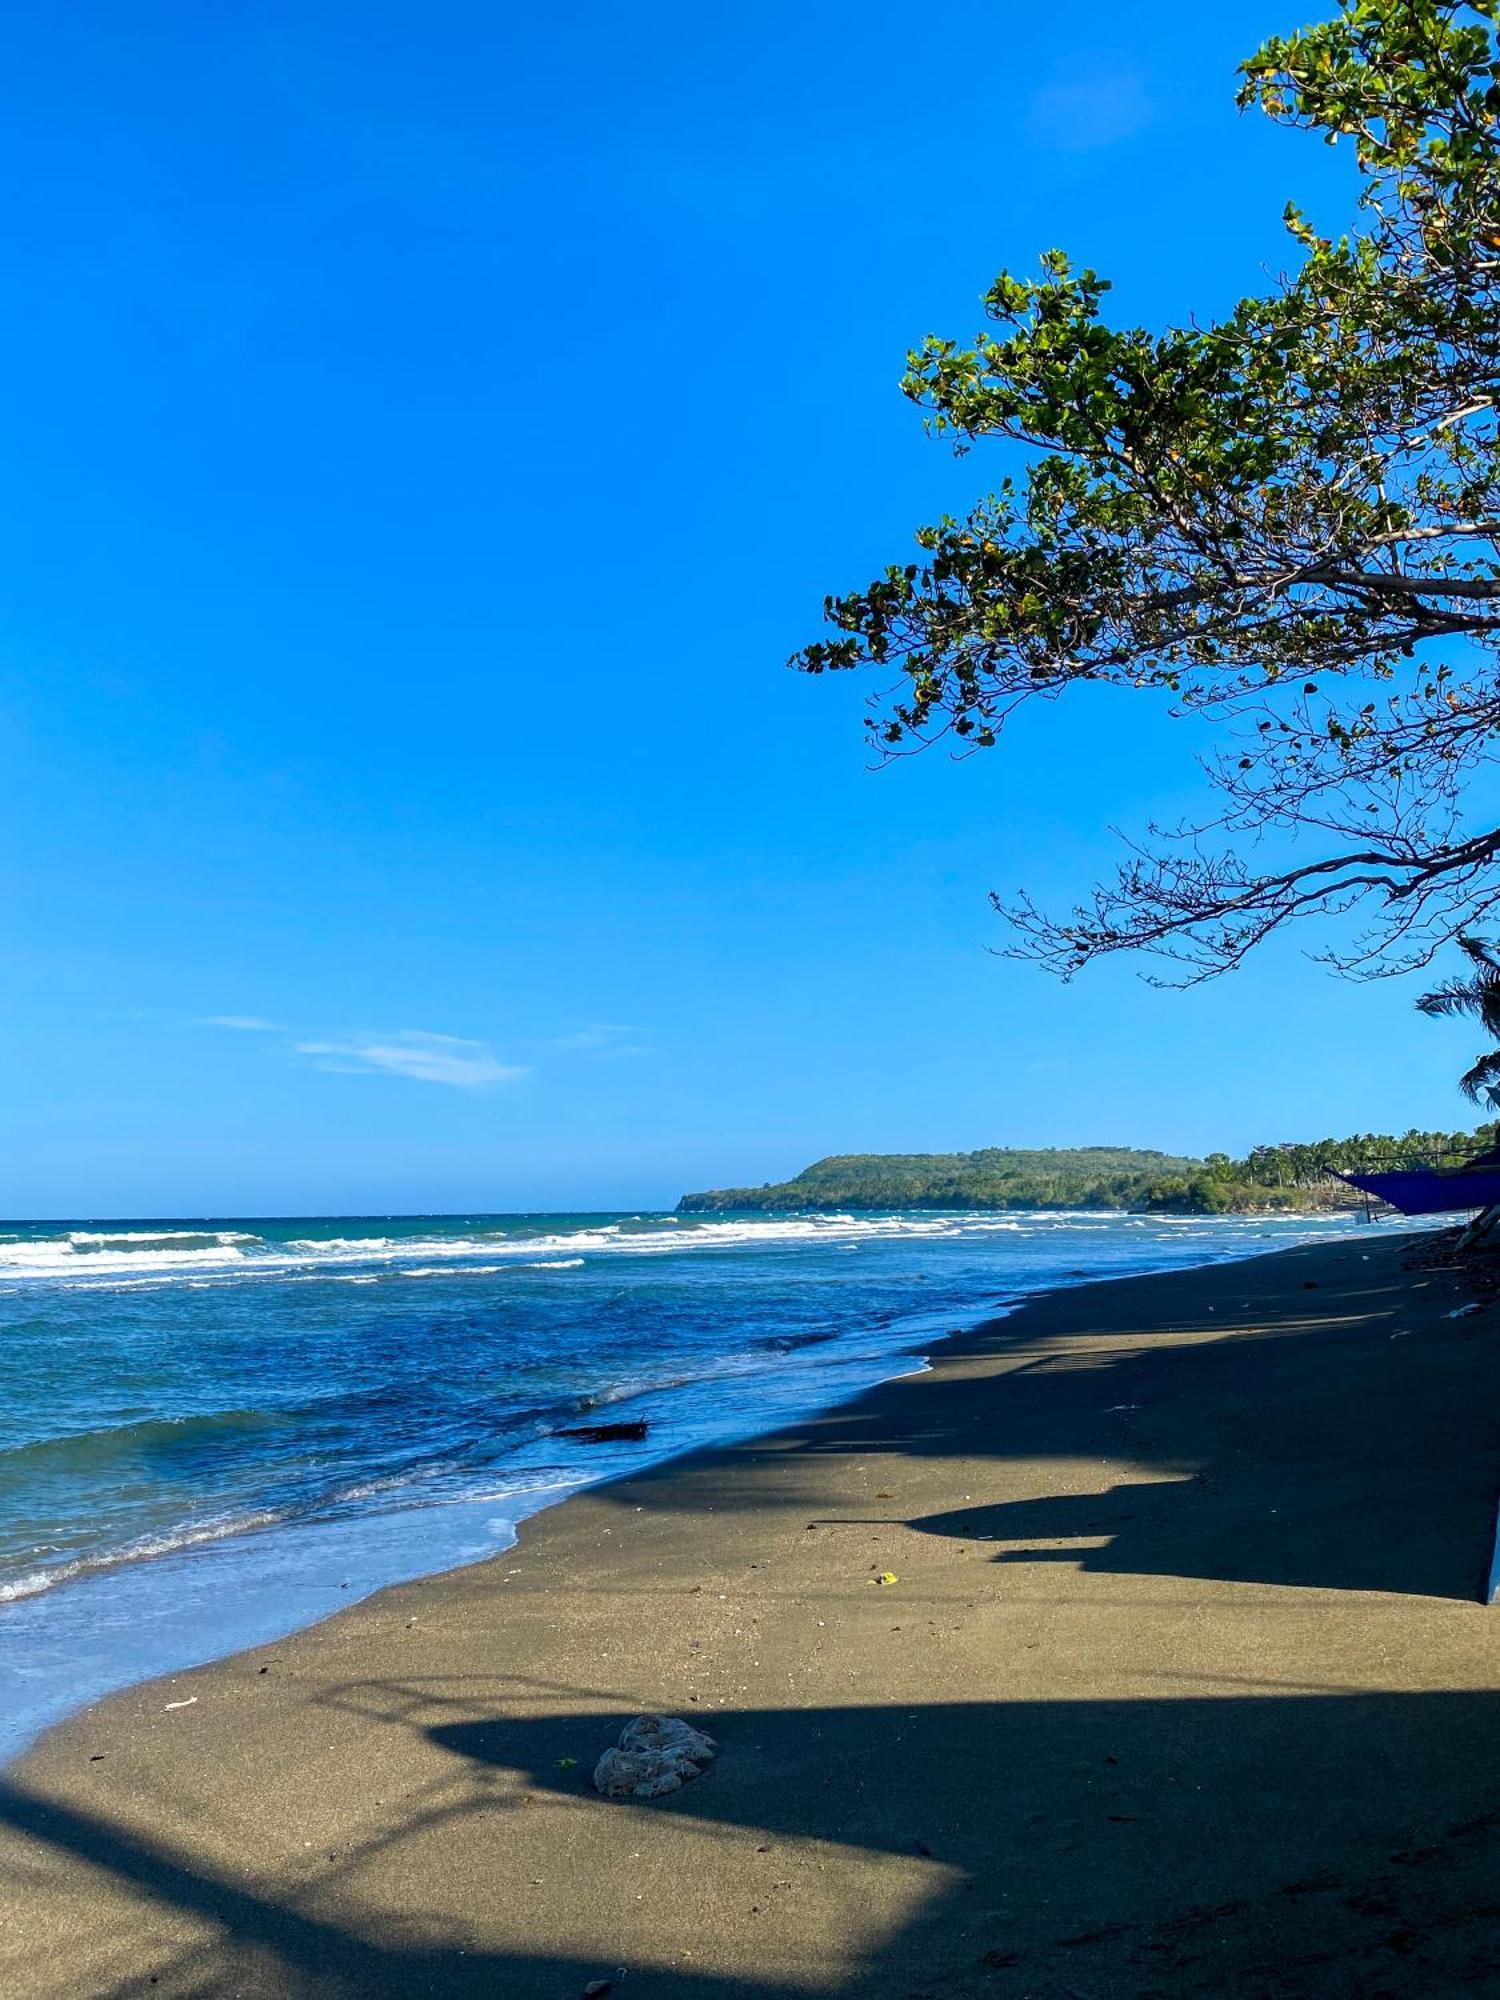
(215, 1573)
(1184, 1653)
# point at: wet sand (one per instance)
(1183, 1688)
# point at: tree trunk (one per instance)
(1476, 1231)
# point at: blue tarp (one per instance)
(1425, 1191)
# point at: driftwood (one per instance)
(607, 1433)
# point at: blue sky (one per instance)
(428, 433)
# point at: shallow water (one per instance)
(213, 1432)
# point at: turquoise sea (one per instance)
(212, 1432)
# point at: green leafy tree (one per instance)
(1288, 518)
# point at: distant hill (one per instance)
(996, 1177)
(1293, 1176)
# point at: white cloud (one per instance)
(249, 1024)
(1084, 113)
(607, 1037)
(409, 1052)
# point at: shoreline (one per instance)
(125, 1618)
(1208, 1580)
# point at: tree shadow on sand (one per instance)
(1167, 1847)
(1356, 1450)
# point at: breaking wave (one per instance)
(131, 1256)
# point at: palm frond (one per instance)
(1456, 997)
(1477, 996)
(1475, 1080)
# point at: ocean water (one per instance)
(214, 1432)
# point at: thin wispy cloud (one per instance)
(409, 1052)
(613, 1038)
(1083, 114)
(246, 1024)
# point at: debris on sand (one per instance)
(656, 1754)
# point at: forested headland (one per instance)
(1268, 1178)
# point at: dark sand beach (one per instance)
(1183, 1687)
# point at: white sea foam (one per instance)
(47, 1577)
(88, 1252)
(468, 1270)
(125, 1259)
